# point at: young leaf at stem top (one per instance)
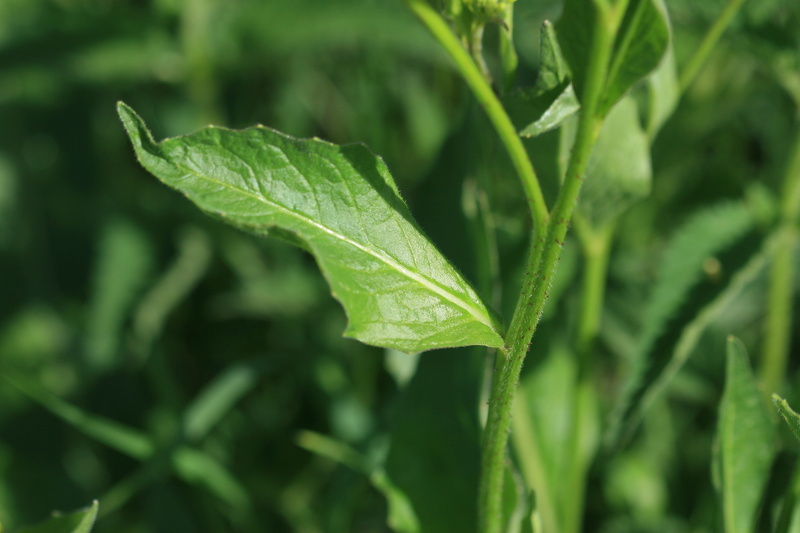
(340, 201)
(640, 43)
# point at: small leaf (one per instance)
(78, 522)
(791, 418)
(640, 44)
(553, 70)
(397, 289)
(552, 98)
(618, 173)
(745, 435)
(555, 111)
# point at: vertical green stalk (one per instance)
(781, 286)
(596, 247)
(708, 43)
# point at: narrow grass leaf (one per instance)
(217, 399)
(746, 447)
(188, 268)
(78, 522)
(402, 518)
(191, 464)
(674, 301)
(124, 260)
(340, 201)
(788, 414)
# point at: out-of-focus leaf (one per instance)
(194, 256)
(619, 171)
(788, 414)
(77, 522)
(397, 289)
(124, 261)
(216, 400)
(401, 513)
(548, 403)
(707, 234)
(193, 465)
(434, 440)
(746, 447)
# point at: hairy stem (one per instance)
(490, 103)
(542, 263)
(698, 59)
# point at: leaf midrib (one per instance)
(422, 280)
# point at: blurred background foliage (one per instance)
(185, 374)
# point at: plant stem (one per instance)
(596, 247)
(491, 105)
(781, 286)
(698, 59)
(542, 262)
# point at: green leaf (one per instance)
(432, 447)
(791, 418)
(640, 44)
(553, 70)
(218, 398)
(619, 171)
(564, 105)
(672, 323)
(552, 98)
(746, 448)
(124, 261)
(78, 522)
(397, 289)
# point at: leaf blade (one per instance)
(745, 434)
(397, 289)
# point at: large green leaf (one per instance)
(341, 204)
(746, 445)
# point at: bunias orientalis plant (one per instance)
(341, 205)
